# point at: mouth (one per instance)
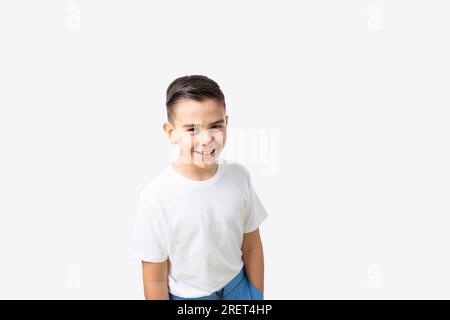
(204, 154)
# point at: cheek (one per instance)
(186, 141)
(221, 138)
(224, 138)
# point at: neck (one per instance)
(194, 172)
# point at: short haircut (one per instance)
(193, 87)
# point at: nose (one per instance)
(206, 138)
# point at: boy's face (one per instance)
(199, 130)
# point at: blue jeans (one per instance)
(239, 288)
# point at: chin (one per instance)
(204, 163)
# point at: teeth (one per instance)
(205, 152)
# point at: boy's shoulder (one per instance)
(235, 167)
(155, 185)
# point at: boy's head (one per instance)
(196, 119)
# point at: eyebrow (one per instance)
(193, 125)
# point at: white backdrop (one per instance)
(340, 110)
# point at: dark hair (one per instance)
(195, 87)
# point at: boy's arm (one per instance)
(155, 277)
(252, 254)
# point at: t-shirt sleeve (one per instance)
(147, 242)
(256, 213)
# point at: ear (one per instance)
(170, 131)
(226, 120)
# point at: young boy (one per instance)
(197, 226)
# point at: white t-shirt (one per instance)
(198, 225)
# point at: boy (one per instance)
(197, 226)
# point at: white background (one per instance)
(349, 101)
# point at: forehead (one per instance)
(196, 112)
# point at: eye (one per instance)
(192, 130)
(216, 126)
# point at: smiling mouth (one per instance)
(204, 154)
